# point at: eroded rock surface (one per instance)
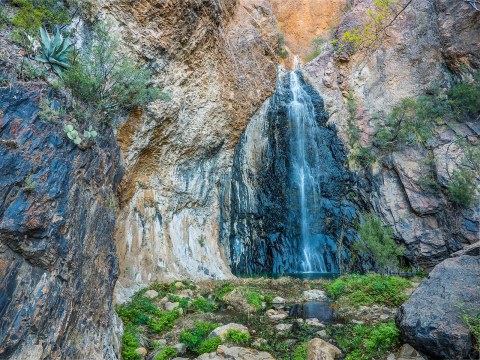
(217, 61)
(57, 257)
(431, 318)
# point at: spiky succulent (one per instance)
(55, 50)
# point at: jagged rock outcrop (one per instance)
(431, 319)
(57, 257)
(427, 45)
(217, 60)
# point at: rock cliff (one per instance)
(426, 46)
(57, 256)
(217, 62)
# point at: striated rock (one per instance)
(236, 353)
(222, 331)
(319, 349)
(431, 319)
(57, 258)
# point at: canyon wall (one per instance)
(216, 63)
(57, 258)
(429, 45)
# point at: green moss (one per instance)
(237, 336)
(166, 353)
(366, 342)
(254, 298)
(356, 290)
(203, 305)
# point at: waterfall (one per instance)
(286, 205)
(306, 169)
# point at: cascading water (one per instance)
(286, 205)
(306, 169)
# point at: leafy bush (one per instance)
(194, 337)
(356, 290)
(464, 99)
(166, 353)
(55, 50)
(209, 345)
(367, 342)
(300, 352)
(237, 336)
(32, 14)
(105, 81)
(163, 321)
(377, 243)
(462, 186)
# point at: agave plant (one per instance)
(55, 50)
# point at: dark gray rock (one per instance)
(57, 258)
(431, 319)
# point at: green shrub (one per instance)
(130, 343)
(471, 317)
(464, 99)
(237, 336)
(32, 14)
(300, 352)
(462, 186)
(367, 342)
(166, 353)
(194, 337)
(209, 345)
(163, 321)
(377, 243)
(224, 290)
(282, 52)
(106, 81)
(367, 290)
(316, 49)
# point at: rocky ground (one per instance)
(263, 318)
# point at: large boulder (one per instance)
(223, 330)
(431, 319)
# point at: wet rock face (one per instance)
(57, 258)
(261, 219)
(216, 59)
(425, 48)
(431, 319)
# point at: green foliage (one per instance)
(163, 321)
(464, 99)
(367, 342)
(300, 352)
(472, 319)
(370, 33)
(237, 336)
(73, 134)
(106, 81)
(166, 353)
(254, 298)
(33, 14)
(377, 243)
(29, 184)
(201, 241)
(195, 337)
(130, 343)
(55, 50)
(462, 186)
(209, 345)
(203, 305)
(357, 290)
(224, 290)
(316, 49)
(282, 52)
